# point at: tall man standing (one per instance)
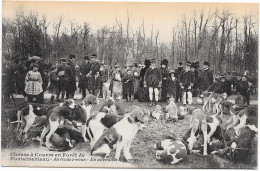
(186, 84)
(153, 80)
(94, 79)
(84, 70)
(205, 79)
(63, 79)
(71, 72)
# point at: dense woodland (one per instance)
(229, 43)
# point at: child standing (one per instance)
(172, 85)
(33, 83)
(54, 79)
(128, 85)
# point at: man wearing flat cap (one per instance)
(83, 71)
(71, 73)
(186, 84)
(205, 79)
(153, 80)
(63, 79)
(93, 76)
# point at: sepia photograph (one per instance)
(156, 85)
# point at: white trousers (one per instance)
(156, 93)
(187, 96)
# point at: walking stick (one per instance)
(13, 99)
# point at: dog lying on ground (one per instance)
(58, 115)
(171, 150)
(121, 134)
(111, 106)
(240, 118)
(27, 115)
(159, 115)
(198, 121)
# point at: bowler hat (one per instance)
(93, 55)
(72, 56)
(86, 58)
(206, 63)
(117, 66)
(164, 62)
(63, 59)
(188, 63)
(53, 67)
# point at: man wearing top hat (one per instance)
(186, 84)
(153, 80)
(93, 75)
(71, 74)
(84, 70)
(63, 79)
(205, 79)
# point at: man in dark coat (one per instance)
(179, 71)
(244, 89)
(94, 79)
(206, 78)
(165, 75)
(103, 72)
(71, 72)
(143, 94)
(153, 80)
(9, 69)
(63, 79)
(186, 84)
(20, 76)
(84, 70)
(195, 69)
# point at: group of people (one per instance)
(148, 82)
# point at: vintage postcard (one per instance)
(129, 84)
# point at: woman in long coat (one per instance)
(136, 72)
(165, 75)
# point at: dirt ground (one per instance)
(142, 146)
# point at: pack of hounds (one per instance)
(106, 130)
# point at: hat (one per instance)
(63, 59)
(147, 62)
(93, 55)
(222, 76)
(171, 71)
(188, 63)
(164, 62)
(206, 63)
(180, 63)
(72, 56)
(153, 61)
(86, 58)
(117, 66)
(53, 67)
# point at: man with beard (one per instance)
(153, 80)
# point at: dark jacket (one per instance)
(153, 77)
(73, 69)
(243, 88)
(142, 74)
(205, 80)
(95, 66)
(187, 79)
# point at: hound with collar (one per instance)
(197, 122)
(58, 115)
(27, 115)
(121, 134)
